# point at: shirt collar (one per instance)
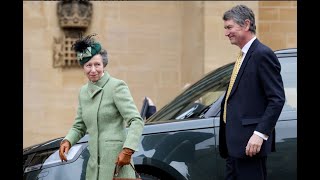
(247, 46)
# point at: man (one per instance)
(148, 108)
(253, 101)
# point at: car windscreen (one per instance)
(197, 98)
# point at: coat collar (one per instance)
(94, 88)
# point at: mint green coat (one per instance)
(104, 109)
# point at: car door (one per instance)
(46, 164)
(283, 162)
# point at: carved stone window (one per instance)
(69, 54)
(63, 55)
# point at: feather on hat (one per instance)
(86, 48)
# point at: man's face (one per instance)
(234, 32)
(94, 68)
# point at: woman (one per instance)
(105, 108)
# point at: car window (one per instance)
(34, 161)
(289, 77)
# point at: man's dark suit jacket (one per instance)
(255, 103)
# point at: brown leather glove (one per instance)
(124, 156)
(64, 148)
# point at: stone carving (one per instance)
(57, 52)
(74, 13)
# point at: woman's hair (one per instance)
(104, 56)
(239, 14)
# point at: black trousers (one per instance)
(254, 168)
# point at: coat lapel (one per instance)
(243, 66)
(93, 90)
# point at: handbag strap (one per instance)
(117, 170)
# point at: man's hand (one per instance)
(150, 101)
(124, 157)
(64, 148)
(254, 145)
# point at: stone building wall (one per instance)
(155, 46)
(278, 23)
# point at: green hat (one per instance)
(86, 48)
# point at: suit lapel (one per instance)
(243, 66)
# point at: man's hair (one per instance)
(239, 14)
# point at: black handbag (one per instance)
(117, 170)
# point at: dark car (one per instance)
(180, 141)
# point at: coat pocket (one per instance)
(113, 141)
(250, 121)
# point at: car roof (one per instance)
(53, 143)
(289, 52)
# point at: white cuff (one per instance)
(263, 136)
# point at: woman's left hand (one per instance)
(124, 157)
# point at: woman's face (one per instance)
(94, 68)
